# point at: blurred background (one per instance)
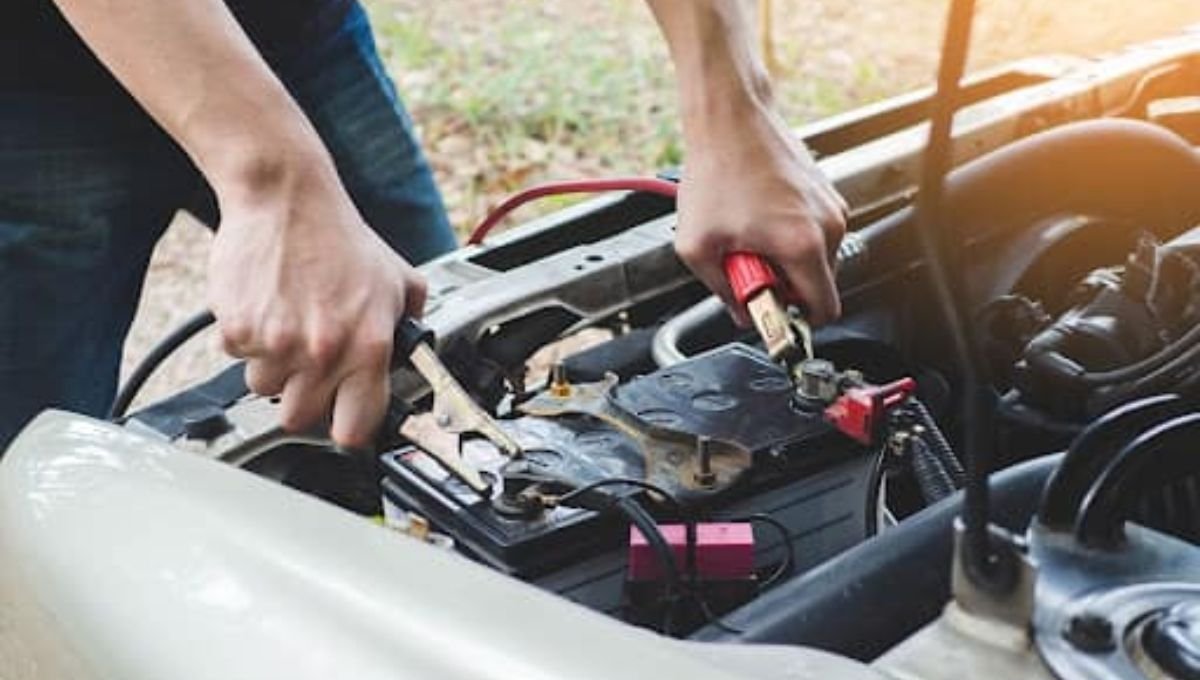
(510, 93)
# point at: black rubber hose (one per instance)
(1094, 449)
(158, 354)
(1165, 454)
(1160, 378)
(1114, 170)
(937, 443)
(1144, 372)
(932, 478)
(1119, 170)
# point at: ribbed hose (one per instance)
(933, 479)
(1174, 510)
(935, 467)
(938, 445)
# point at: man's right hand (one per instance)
(309, 296)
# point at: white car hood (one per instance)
(123, 557)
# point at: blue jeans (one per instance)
(88, 184)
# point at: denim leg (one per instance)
(343, 88)
(87, 185)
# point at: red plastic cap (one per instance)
(724, 551)
(748, 275)
(861, 411)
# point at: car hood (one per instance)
(124, 557)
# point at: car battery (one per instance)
(821, 484)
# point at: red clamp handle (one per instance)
(748, 275)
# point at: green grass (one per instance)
(523, 94)
(509, 93)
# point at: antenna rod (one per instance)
(942, 246)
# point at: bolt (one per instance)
(705, 476)
(418, 527)
(559, 385)
(1090, 633)
(817, 380)
(898, 443)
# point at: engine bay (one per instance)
(673, 476)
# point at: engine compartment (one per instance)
(656, 408)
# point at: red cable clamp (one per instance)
(861, 411)
(748, 275)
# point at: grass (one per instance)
(512, 98)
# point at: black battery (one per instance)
(734, 393)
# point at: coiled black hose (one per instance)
(934, 465)
(938, 445)
(932, 478)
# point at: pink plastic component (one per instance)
(724, 552)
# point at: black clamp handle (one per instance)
(409, 334)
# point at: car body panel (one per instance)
(127, 558)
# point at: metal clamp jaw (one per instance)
(786, 336)
(454, 414)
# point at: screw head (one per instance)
(1090, 633)
(704, 475)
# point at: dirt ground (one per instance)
(510, 93)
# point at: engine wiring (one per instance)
(576, 494)
(681, 584)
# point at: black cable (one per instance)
(1095, 448)
(789, 560)
(158, 354)
(1170, 354)
(645, 524)
(1169, 371)
(938, 445)
(983, 564)
(932, 461)
(711, 617)
(933, 480)
(575, 494)
(782, 570)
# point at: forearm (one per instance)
(720, 76)
(748, 184)
(190, 65)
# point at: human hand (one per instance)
(750, 187)
(309, 296)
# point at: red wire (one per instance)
(650, 185)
